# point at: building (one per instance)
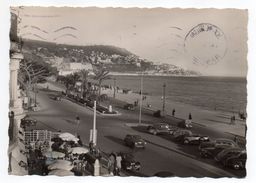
(16, 151)
(72, 67)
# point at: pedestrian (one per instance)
(79, 140)
(118, 164)
(112, 166)
(173, 112)
(91, 147)
(236, 139)
(232, 120)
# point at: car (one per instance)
(227, 153)
(28, 121)
(128, 162)
(159, 128)
(134, 141)
(180, 134)
(195, 139)
(185, 124)
(57, 97)
(212, 148)
(129, 107)
(236, 161)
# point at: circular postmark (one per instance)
(205, 44)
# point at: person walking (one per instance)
(173, 112)
(118, 164)
(77, 123)
(112, 165)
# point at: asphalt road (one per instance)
(160, 154)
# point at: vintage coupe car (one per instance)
(134, 141)
(227, 153)
(212, 148)
(195, 139)
(185, 124)
(159, 128)
(129, 107)
(236, 161)
(28, 121)
(128, 162)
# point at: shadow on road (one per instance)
(116, 140)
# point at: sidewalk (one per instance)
(214, 119)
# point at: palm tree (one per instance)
(101, 73)
(84, 78)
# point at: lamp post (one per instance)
(164, 86)
(114, 96)
(141, 95)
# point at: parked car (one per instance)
(134, 141)
(159, 128)
(180, 134)
(28, 121)
(128, 162)
(185, 124)
(57, 97)
(227, 153)
(236, 161)
(212, 148)
(129, 107)
(195, 139)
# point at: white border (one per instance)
(4, 80)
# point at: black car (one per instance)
(129, 107)
(159, 128)
(185, 124)
(128, 162)
(224, 154)
(236, 161)
(212, 148)
(180, 134)
(28, 121)
(195, 139)
(57, 97)
(134, 141)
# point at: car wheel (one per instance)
(203, 155)
(186, 141)
(237, 165)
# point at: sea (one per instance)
(227, 94)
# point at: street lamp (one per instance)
(114, 96)
(141, 95)
(164, 86)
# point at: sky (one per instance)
(159, 35)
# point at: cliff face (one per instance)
(115, 59)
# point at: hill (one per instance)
(116, 60)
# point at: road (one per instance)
(160, 154)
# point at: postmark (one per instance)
(205, 44)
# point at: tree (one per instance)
(84, 78)
(101, 74)
(33, 70)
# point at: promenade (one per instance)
(217, 120)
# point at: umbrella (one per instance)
(60, 172)
(54, 154)
(68, 137)
(79, 150)
(61, 164)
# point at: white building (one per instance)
(72, 67)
